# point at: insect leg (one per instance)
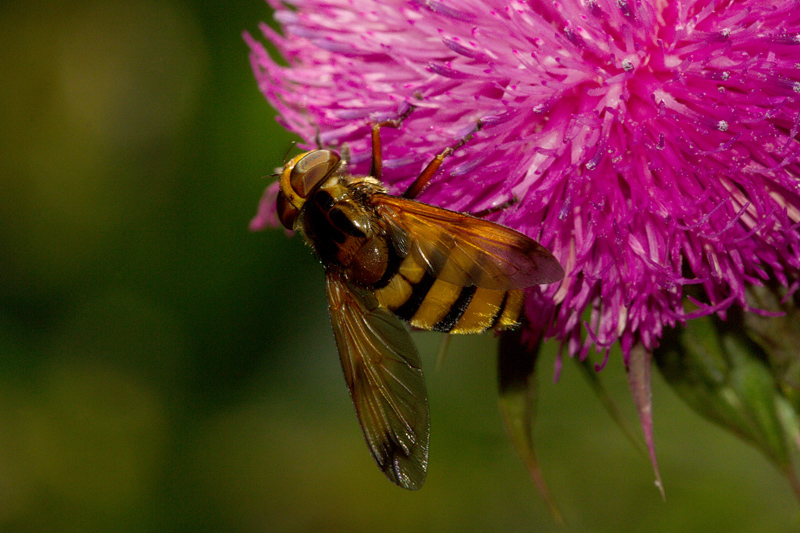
(377, 158)
(422, 180)
(499, 207)
(345, 153)
(318, 139)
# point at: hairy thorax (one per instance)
(341, 226)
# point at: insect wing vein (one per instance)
(465, 250)
(383, 372)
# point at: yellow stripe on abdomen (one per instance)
(395, 294)
(481, 312)
(511, 311)
(403, 285)
(436, 305)
(414, 295)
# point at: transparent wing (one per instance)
(382, 369)
(466, 250)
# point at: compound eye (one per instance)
(287, 213)
(311, 170)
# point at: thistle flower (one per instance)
(649, 145)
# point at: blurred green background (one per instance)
(164, 369)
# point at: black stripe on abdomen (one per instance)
(457, 310)
(500, 310)
(418, 294)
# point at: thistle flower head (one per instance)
(649, 145)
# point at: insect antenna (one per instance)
(292, 145)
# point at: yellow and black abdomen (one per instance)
(415, 295)
(351, 238)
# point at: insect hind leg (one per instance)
(422, 180)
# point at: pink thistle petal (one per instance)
(266, 216)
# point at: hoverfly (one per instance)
(389, 259)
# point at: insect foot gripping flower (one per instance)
(650, 146)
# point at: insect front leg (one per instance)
(317, 138)
(496, 209)
(422, 180)
(377, 158)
